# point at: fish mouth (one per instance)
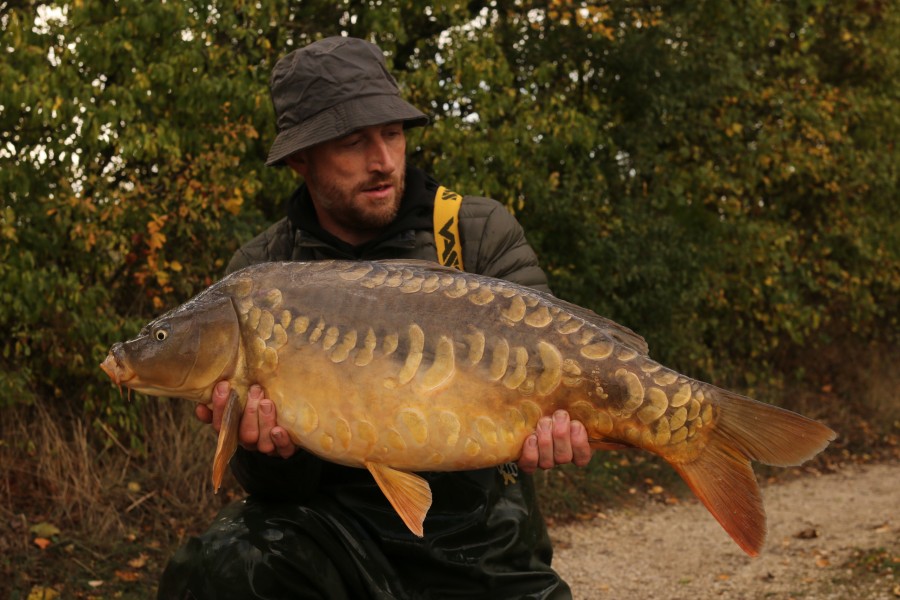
(119, 372)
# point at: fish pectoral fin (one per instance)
(228, 439)
(408, 493)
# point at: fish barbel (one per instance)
(404, 366)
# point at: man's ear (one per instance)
(298, 163)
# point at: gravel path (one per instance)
(817, 524)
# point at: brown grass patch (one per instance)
(106, 515)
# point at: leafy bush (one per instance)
(720, 177)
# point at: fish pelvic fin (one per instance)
(721, 475)
(228, 439)
(408, 493)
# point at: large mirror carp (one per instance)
(405, 366)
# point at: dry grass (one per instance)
(112, 505)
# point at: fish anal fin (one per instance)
(228, 439)
(724, 482)
(408, 493)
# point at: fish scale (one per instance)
(405, 366)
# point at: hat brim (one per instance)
(343, 119)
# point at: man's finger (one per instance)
(544, 434)
(581, 445)
(528, 462)
(562, 438)
(219, 400)
(283, 444)
(204, 413)
(266, 423)
(249, 429)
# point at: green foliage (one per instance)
(719, 176)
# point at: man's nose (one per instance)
(380, 157)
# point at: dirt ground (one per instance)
(833, 536)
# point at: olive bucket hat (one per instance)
(331, 88)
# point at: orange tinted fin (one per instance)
(228, 439)
(725, 483)
(768, 434)
(409, 494)
(721, 475)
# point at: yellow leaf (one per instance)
(233, 204)
(157, 240)
(40, 592)
(175, 266)
(734, 129)
(44, 529)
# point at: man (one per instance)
(312, 529)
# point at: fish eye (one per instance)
(161, 334)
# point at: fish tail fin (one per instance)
(721, 475)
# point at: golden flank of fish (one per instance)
(400, 367)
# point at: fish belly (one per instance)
(353, 415)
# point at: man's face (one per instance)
(356, 182)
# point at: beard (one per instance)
(347, 206)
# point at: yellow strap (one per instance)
(446, 227)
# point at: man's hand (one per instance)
(557, 441)
(259, 428)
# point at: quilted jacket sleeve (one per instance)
(275, 243)
(494, 244)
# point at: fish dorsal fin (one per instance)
(619, 333)
(228, 439)
(409, 494)
(416, 263)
